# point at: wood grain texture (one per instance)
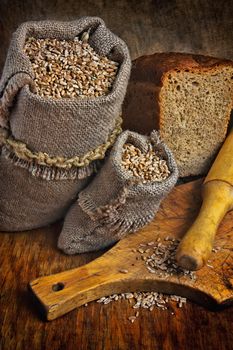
(200, 26)
(103, 276)
(28, 255)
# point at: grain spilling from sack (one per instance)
(159, 258)
(69, 68)
(146, 300)
(147, 166)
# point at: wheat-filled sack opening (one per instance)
(98, 35)
(51, 145)
(145, 144)
(73, 133)
(67, 127)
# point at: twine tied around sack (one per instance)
(22, 151)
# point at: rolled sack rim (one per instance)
(122, 73)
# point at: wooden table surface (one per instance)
(199, 26)
(26, 256)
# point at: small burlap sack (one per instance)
(115, 203)
(51, 147)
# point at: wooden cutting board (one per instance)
(62, 292)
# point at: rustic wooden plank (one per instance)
(27, 255)
(104, 276)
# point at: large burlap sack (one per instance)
(115, 203)
(51, 147)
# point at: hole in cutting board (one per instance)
(58, 286)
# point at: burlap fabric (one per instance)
(114, 203)
(50, 146)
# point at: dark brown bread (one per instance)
(188, 98)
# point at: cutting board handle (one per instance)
(62, 292)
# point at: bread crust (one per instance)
(141, 108)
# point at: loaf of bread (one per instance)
(188, 98)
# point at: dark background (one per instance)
(197, 26)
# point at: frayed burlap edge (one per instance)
(111, 216)
(91, 162)
(52, 173)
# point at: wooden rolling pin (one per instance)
(196, 246)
